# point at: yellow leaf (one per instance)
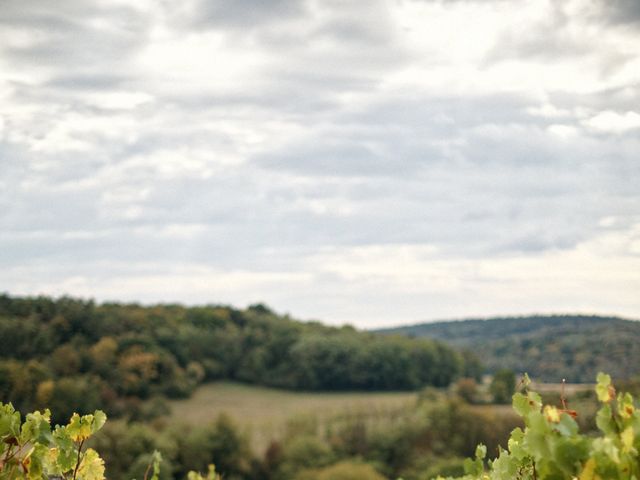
(625, 405)
(91, 466)
(551, 414)
(79, 428)
(627, 439)
(589, 470)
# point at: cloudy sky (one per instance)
(375, 162)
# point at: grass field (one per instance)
(263, 413)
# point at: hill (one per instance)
(76, 355)
(549, 348)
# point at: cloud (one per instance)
(341, 160)
(84, 34)
(244, 14)
(621, 11)
(614, 122)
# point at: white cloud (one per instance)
(375, 162)
(563, 131)
(614, 122)
(549, 110)
(120, 100)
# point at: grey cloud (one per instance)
(64, 35)
(87, 81)
(444, 113)
(549, 39)
(524, 174)
(549, 44)
(285, 97)
(351, 31)
(243, 13)
(80, 49)
(620, 98)
(366, 162)
(330, 158)
(243, 216)
(511, 172)
(621, 11)
(39, 12)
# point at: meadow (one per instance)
(264, 413)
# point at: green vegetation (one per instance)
(422, 444)
(409, 440)
(549, 348)
(223, 372)
(266, 413)
(551, 447)
(405, 440)
(503, 385)
(32, 450)
(73, 355)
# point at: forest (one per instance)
(75, 355)
(550, 347)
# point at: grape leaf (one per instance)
(91, 466)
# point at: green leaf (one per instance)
(567, 426)
(604, 389)
(211, 475)
(604, 420)
(525, 404)
(481, 451)
(37, 462)
(515, 444)
(65, 452)
(520, 404)
(606, 446)
(157, 458)
(506, 466)
(9, 421)
(62, 439)
(91, 466)
(99, 419)
(36, 427)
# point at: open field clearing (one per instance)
(265, 412)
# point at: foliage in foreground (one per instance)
(551, 448)
(32, 450)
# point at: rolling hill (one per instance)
(549, 348)
(72, 354)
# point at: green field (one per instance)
(264, 413)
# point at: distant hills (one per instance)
(549, 348)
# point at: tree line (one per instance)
(76, 355)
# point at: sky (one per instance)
(368, 162)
